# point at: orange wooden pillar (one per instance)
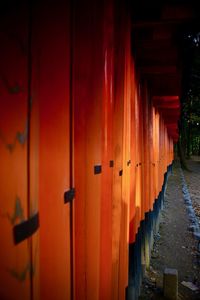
(88, 91)
(157, 151)
(15, 260)
(126, 156)
(132, 218)
(151, 147)
(162, 150)
(53, 90)
(118, 116)
(105, 260)
(34, 156)
(150, 154)
(163, 147)
(140, 153)
(166, 148)
(146, 150)
(159, 155)
(138, 139)
(154, 156)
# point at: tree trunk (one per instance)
(182, 157)
(188, 141)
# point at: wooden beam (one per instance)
(148, 24)
(174, 14)
(151, 44)
(158, 55)
(166, 98)
(177, 12)
(165, 84)
(165, 69)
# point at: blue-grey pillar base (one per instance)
(140, 250)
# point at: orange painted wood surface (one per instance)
(15, 261)
(76, 112)
(88, 91)
(125, 201)
(54, 166)
(105, 283)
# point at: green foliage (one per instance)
(190, 113)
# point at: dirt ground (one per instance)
(175, 246)
(193, 181)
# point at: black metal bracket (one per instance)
(111, 163)
(25, 229)
(97, 169)
(139, 164)
(128, 162)
(69, 195)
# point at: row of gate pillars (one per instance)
(83, 153)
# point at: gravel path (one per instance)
(175, 246)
